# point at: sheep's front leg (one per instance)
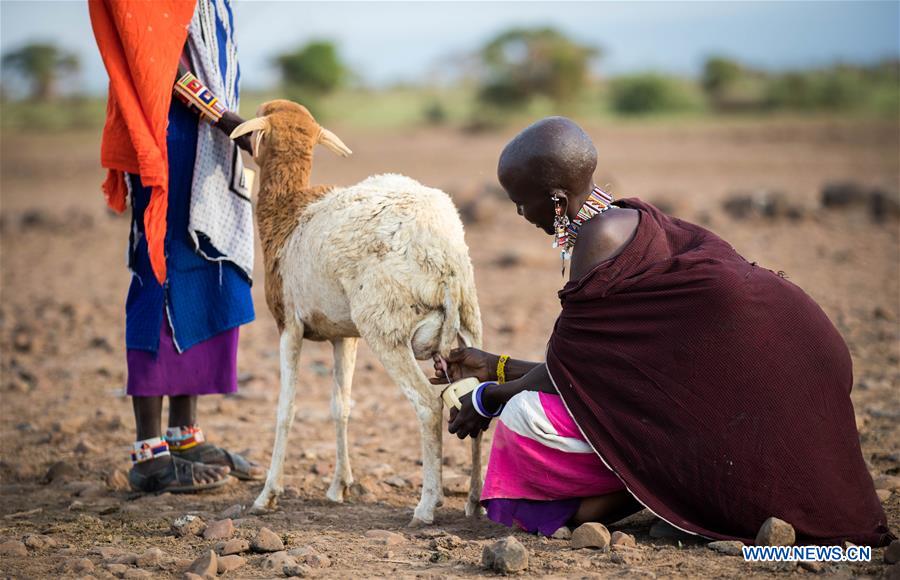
(473, 504)
(291, 342)
(344, 363)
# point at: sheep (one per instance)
(384, 260)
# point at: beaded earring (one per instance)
(561, 227)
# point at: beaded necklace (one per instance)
(567, 230)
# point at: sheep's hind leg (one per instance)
(403, 368)
(473, 504)
(291, 342)
(344, 362)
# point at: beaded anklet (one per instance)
(184, 437)
(148, 449)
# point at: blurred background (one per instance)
(775, 124)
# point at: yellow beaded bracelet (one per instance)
(501, 368)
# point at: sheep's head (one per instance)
(282, 126)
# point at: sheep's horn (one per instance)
(255, 124)
(333, 142)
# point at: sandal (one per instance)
(179, 472)
(211, 455)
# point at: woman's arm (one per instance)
(471, 362)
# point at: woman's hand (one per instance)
(229, 123)
(466, 362)
(466, 422)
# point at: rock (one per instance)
(385, 538)
(150, 559)
(219, 530)
(396, 481)
(295, 570)
(883, 494)
(590, 535)
(205, 566)
(266, 541)
(60, 472)
(128, 559)
(812, 566)
(233, 546)
(137, 574)
(883, 205)
(625, 556)
(229, 563)
(78, 566)
(276, 561)
(188, 525)
(727, 547)
(506, 556)
(12, 549)
(116, 480)
(191, 576)
(888, 482)
(775, 532)
(38, 541)
(562, 533)
(116, 569)
(892, 553)
(231, 512)
(317, 561)
(844, 194)
(623, 540)
(302, 552)
(84, 447)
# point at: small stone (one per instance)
(295, 570)
(625, 556)
(888, 482)
(590, 535)
(13, 548)
(233, 546)
(219, 530)
(188, 525)
(276, 561)
(137, 574)
(267, 541)
(38, 541)
(150, 559)
(106, 553)
(78, 566)
(727, 547)
(317, 561)
(812, 566)
(128, 559)
(506, 556)
(775, 532)
(60, 472)
(116, 480)
(231, 512)
(396, 481)
(192, 576)
(621, 539)
(205, 566)
(892, 553)
(883, 494)
(385, 538)
(302, 552)
(84, 447)
(562, 533)
(229, 563)
(116, 569)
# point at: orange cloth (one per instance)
(140, 42)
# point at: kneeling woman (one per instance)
(679, 377)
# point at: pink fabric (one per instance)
(523, 468)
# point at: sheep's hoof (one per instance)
(266, 502)
(336, 492)
(417, 522)
(474, 509)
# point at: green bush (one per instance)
(650, 93)
(316, 68)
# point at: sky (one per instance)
(390, 42)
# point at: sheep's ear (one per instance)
(258, 124)
(333, 142)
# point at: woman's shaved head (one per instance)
(552, 154)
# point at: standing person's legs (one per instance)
(151, 457)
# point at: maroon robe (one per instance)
(717, 390)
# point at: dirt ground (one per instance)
(63, 364)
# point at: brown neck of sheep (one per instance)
(284, 194)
